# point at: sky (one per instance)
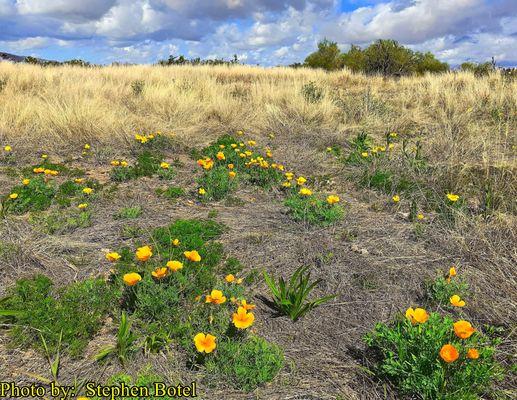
(265, 32)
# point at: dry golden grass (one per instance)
(61, 106)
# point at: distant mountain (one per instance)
(11, 57)
(18, 59)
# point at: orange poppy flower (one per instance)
(473, 354)
(456, 301)
(463, 329)
(192, 255)
(449, 353)
(247, 306)
(159, 273)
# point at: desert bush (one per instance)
(434, 357)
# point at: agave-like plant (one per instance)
(291, 298)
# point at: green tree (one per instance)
(388, 57)
(354, 59)
(328, 57)
(427, 62)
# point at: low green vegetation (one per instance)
(435, 358)
(313, 210)
(291, 298)
(39, 310)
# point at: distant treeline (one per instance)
(385, 57)
(182, 60)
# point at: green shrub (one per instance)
(76, 310)
(312, 210)
(409, 356)
(245, 364)
(312, 93)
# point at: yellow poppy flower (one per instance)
(164, 165)
(215, 297)
(420, 216)
(452, 271)
(229, 278)
(449, 353)
(364, 154)
(175, 265)
(301, 180)
(456, 301)
(243, 319)
(87, 146)
(417, 315)
(222, 146)
(332, 199)
(220, 156)
(453, 197)
(176, 242)
(132, 278)
(205, 343)
(159, 273)
(113, 256)
(82, 206)
(201, 191)
(232, 174)
(26, 182)
(115, 163)
(463, 329)
(13, 196)
(396, 198)
(305, 192)
(144, 253)
(286, 184)
(87, 190)
(79, 180)
(192, 255)
(231, 166)
(123, 164)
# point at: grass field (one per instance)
(424, 173)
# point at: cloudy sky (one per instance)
(266, 32)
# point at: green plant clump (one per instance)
(291, 298)
(313, 210)
(75, 311)
(409, 356)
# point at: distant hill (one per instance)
(18, 59)
(11, 57)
